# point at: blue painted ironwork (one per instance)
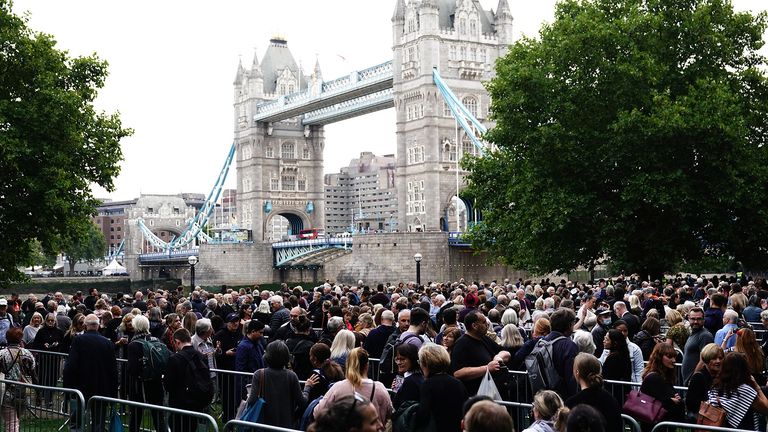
(351, 108)
(466, 120)
(319, 250)
(169, 255)
(354, 85)
(457, 239)
(118, 251)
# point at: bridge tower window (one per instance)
(471, 104)
(289, 182)
(274, 184)
(305, 152)
(288, 150)
(302, 184)
(269, 152)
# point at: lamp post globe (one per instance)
(192, 260)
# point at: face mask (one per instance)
(607, 321)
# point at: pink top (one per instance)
(381, 399)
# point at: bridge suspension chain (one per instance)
(195, 227)
(463, 116)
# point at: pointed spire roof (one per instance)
(240, 72)
(255, 67)
(399, 14)
(503, 8)
(317, 71)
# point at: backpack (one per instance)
(154, 362)
(540, 366)
(387, 361)
(309, 414)
(199, 386)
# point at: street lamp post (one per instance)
(417, 258)
(192, 260)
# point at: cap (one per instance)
(602, 310)
(233, 317)
(3, 302)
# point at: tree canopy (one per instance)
(86, 243)
(53, 143)
(633, 130)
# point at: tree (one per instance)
(87, 243)
(53, 144)
(40, 258)
(633, 130)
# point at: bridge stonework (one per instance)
(376, 258)
(463, 42)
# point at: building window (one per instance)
(411, 25)
(463, 53)
(270, 153)
(463, 26)
(302, 184)
(452, 53)
(467, 146)
(305, 152)
(111, 228)
(471, 104)
(246, 152)
(288, 150)
(274, 184)
(289, 182)
(472, 27)
(446, 110)
(247, 184)
(119, 228)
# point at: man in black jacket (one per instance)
(186, 375)
(91, 367)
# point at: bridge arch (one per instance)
(459, 214)
(297, 221)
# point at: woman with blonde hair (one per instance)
(357, 383)
(701, 380)
(364, 324)
(30, 331)
(546, 408)
(189, 321)
(511, 339)
(343, 343)
(588, 373)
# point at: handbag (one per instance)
(252, 413)
(711, 415)
(644, 408)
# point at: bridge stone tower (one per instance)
(463, 41)
(279, 165)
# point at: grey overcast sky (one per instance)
(172, 64)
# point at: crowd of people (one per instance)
(359, 357)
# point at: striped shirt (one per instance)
(736, 405)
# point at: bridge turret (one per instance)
(429, 17)
(316, 79)
(256, 78)
(398, 22)
(238, 83)
(504, 24)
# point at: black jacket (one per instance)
(91, 366)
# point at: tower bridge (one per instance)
(442, 52)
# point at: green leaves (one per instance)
(53, 144)
(630, 130)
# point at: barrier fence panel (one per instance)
(620, 389)
(105, 413)
(48, 369)
(630, 424)
(374, 365)
(687, 427)
(522, 413)
(519, 387)
(242, 426)
(66, 410)
(232, 389)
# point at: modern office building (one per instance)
(362, 197)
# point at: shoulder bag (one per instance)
(644, 408)
(711, 415)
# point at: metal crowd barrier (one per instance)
(105, 412)
(522, 416)
(232, 389)
(67, 408)
(620, 389)
(687, 427)
(242, 426)
(519, 388)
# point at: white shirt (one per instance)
(635, 356)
